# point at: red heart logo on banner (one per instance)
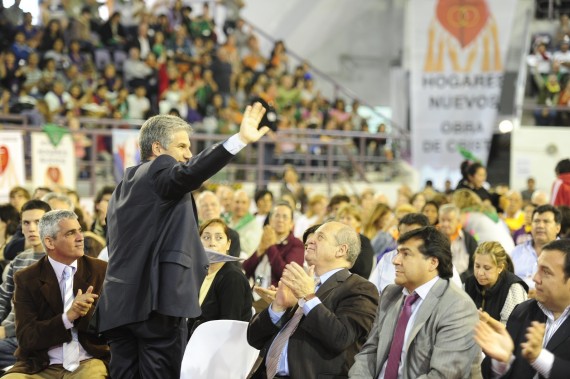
(463, 19)
(4, 158)
(54, 174)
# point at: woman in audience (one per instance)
(431, 211)
(494, 287)
(351, 215)
(377, 230)
(481, 220)
(474, 176)
(225, 292)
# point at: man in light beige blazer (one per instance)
(436, 337)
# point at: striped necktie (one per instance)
(70, 349)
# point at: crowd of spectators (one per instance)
(162, 59)
(549, 68)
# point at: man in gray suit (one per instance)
(156, 260)
(423, 325)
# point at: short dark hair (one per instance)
(436, 245)
(260, 193)
(414, 218)
(35, 204)
(218, 221)
(548, 208)
(310, 230)
(337, 199)
(562, 167)
(473, 167)
(106, 190)
(563, 246)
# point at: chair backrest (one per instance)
(218, 350)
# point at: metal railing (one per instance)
(319, 155)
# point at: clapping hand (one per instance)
(300, 282)
(267, 294)
(493, 338)
(284, 298)
(81, 304)
(534, 337)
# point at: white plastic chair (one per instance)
(218, 350)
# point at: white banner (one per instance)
(12, 171)
(53, 166)
(458, 50)
(125, 151)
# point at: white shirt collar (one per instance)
(424, 289)
(323, 278)
(58, 267)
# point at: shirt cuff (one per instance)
(68, 324)
(234, 144)
(309, 305)
(543, 363)
(275, 316)
(499, 368)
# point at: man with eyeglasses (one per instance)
(544, 229)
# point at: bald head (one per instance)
(209, 206)
(241, 204)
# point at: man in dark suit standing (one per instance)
(315, 326)
(51, 322)
(156, 260)
(536, 340)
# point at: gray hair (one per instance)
(49, 223)
(160, 129)
(201, 196)
(347, 236)
(59, 196)
(448, 208)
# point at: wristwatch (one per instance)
(306, 298)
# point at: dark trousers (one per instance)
(151, 349)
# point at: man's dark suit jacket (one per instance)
(559, 344)
(39, 308)
(156, 259)
(328, 338)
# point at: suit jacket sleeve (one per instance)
(32, 333)
(261, 329)
(455, 353)
(365, 361)
(172, 179)
(351, 320)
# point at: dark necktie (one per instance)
(274, 353)
(276, 348)
(398, 339)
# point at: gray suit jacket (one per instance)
(440, 344)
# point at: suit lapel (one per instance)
(49, 286)
(332, 283)
(387, 321)
(426, 308)
(561, 335)
(82, 277)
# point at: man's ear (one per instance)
(342, 251)
(156, 149)
(434, 263)
(48, 242)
